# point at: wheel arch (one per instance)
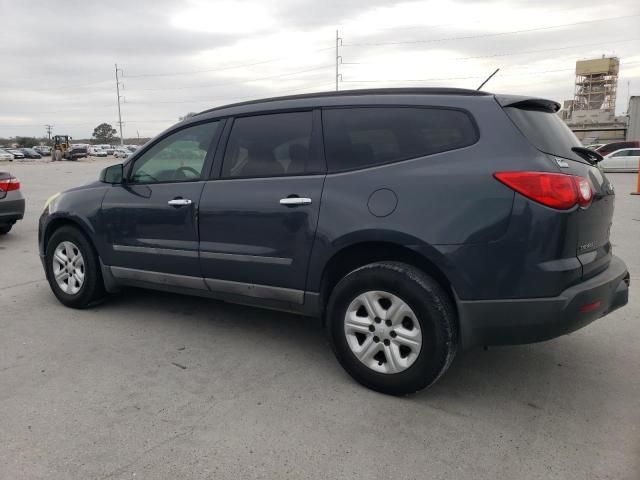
(62, 221)
(358, 254)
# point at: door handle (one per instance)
(179, 202)
(293, 201)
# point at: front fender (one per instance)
(78, 207)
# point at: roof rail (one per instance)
(369, 91)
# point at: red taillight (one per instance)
(8, 184)
(554, 190)
(585, 195)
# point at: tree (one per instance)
(104, 133)
(26, 142)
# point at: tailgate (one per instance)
(594, 223)
(537, 120)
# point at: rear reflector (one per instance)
(8, 184)
(590, 307)
(555, 190)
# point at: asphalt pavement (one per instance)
(153, 385)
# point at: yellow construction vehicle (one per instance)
(62, 149)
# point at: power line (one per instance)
(234, 82)
(524, 52)
(485, 35)
(473, 77)
(235, 99)
(67, 87)
(222, 69)
(470, 77)
(547, 49)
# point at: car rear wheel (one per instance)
(6, 228)
(73, 269)
(392, 327)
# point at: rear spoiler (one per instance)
(528, 103)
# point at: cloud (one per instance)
(189, 55)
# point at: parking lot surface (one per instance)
(155, 385)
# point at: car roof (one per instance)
(350, 93)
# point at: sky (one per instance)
(180, 56)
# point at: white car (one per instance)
(97, 152)
(624, 160)
(5, 156)
(121, 153)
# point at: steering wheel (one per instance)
(187, 169)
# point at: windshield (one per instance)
(546, 131)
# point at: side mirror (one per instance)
(113, 174)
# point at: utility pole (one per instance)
(119, 97)
(49, 128)
(338, 58)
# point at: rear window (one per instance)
(366, 136)
(546, 131)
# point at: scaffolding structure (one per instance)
(596, 84)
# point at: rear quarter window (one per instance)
(362, 137)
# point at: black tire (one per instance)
(5, 228)
(432, 307)
(92, 290)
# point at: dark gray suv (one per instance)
(413, 222)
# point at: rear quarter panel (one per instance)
(444, 201)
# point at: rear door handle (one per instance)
(179, 202)
(293, 201)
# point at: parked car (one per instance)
(413, 222)
(625, 160)
(107, 148)
(6, 156)
(121, 153)
(76, 151)
(11, 202)
(43, 150)
(17, 154)
(97, 152)
(30, 153)
(612, 147)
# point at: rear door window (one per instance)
(366, 136)
(546, 131)
(269, 145)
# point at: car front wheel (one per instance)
(73, 269)
(392, 327)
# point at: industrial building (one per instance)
(591, 113)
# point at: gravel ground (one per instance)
(154, 385)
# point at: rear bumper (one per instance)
(517, 321)
(11, 209)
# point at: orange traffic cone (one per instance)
(637, 192)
